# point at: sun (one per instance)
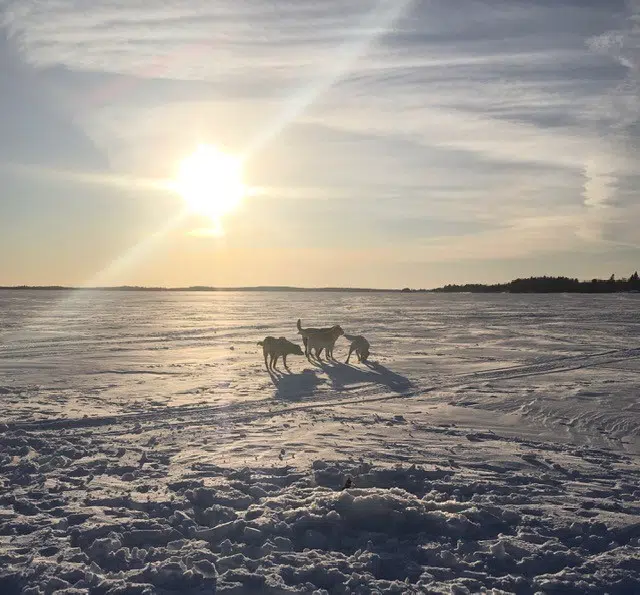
(210, 182)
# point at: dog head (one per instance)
(364, 356)
(336, 331)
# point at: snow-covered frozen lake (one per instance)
(492, 440)
(568, 363)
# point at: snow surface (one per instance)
(492, 444)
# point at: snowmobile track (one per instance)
(242, 412)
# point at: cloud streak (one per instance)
(480, 128)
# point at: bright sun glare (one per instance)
(210, 182)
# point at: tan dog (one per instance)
(274, 348)
(360, 345)
(319, 338)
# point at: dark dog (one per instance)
(319, 339)
(274, 348)
(360, 345)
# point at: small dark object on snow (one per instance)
(347, 484)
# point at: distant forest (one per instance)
(530, 285)
(549, 285)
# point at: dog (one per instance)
(274, 348)
(319, 339)
(324, 338)
(360, 345)
(302, 331)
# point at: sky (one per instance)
(385, 143)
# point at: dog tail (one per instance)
(261, 343)
(299, 325)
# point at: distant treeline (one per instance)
(550, 285)
(530, 285)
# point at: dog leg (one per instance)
(284, 361)
(350, 352)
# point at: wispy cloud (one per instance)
(614, 113)
(465, 130)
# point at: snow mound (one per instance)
(70, 524)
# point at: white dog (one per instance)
(319, 339)
(360, 345)
(274, 348)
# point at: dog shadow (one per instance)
(292, 386)
(342, 375)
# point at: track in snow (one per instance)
(243, 412)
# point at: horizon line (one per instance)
(197, 288)
(213, 288)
